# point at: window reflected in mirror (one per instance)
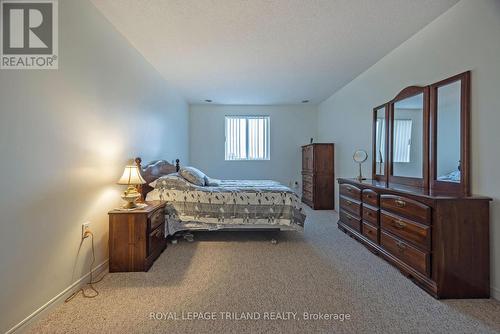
(407, 139)
(380, 141)
(448, 133)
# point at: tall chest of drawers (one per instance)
(318, 179)
(439, 241)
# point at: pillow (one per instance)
(211, 182)
(193, 175)
(170, 181)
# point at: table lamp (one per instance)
(131, 177)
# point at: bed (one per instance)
(220, 204)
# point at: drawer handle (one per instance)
(349, 189)
(400, 203)
(369, 232)
(349, 202)
(399, 224)
(158, 233)
(401, 246)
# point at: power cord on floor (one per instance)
(91, 282)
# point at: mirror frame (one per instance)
(375, 176)
(422, 182)
(464, 186)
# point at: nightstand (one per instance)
(136, 238)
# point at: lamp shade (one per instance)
(131, 175)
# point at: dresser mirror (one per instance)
(408, 137)
(421, 138)
(380, 129)
(449, 134)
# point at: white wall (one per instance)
(467, 37)
(65, 136)
(291, 127)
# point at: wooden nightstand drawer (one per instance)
(156, 219)
(156, 239)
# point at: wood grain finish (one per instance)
(152, 171)
(370, 197)
(407, 253)
(350, 205)
(136, 238)
(318, 179)
(407, 230)
(370, 232)
(353, 222)
(439, 240)
(406, 207)
(350, 191)
(370, 215)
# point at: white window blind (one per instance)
(402, 140)
(247, 138)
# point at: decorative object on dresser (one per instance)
(359, 157)
(318, 179)
(417, 212)
(136, 238)
(131, 177)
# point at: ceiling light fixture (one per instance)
(305, 101)
(209, 101)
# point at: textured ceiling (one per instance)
(266, 51)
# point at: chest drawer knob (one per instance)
(399, 224)
(400, 203)
(401, 246)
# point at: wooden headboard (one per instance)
(154, 170)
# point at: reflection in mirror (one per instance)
(407, 139)
(380, 141)
(448, 132)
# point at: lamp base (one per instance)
(131, 195)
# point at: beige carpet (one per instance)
(321, 270)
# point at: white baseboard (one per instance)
(25, 324)
(495, 293)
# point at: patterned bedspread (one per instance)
(232, 202)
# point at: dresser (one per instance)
(136, 238)
(318, 179)
(438, 240)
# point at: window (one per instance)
(402, 140)
(247, 138)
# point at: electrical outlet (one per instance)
(85, 227)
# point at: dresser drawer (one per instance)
(156, 240)
(405, 252)
(351, 221)
(307, 194)
(308, 158)
(156, 219)
(370, 232)
(350, 191)
(370, 215)
(406, 207)
(370, 197)
(307, 178)
(307, 186)
(350, 205)
(416, 233)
